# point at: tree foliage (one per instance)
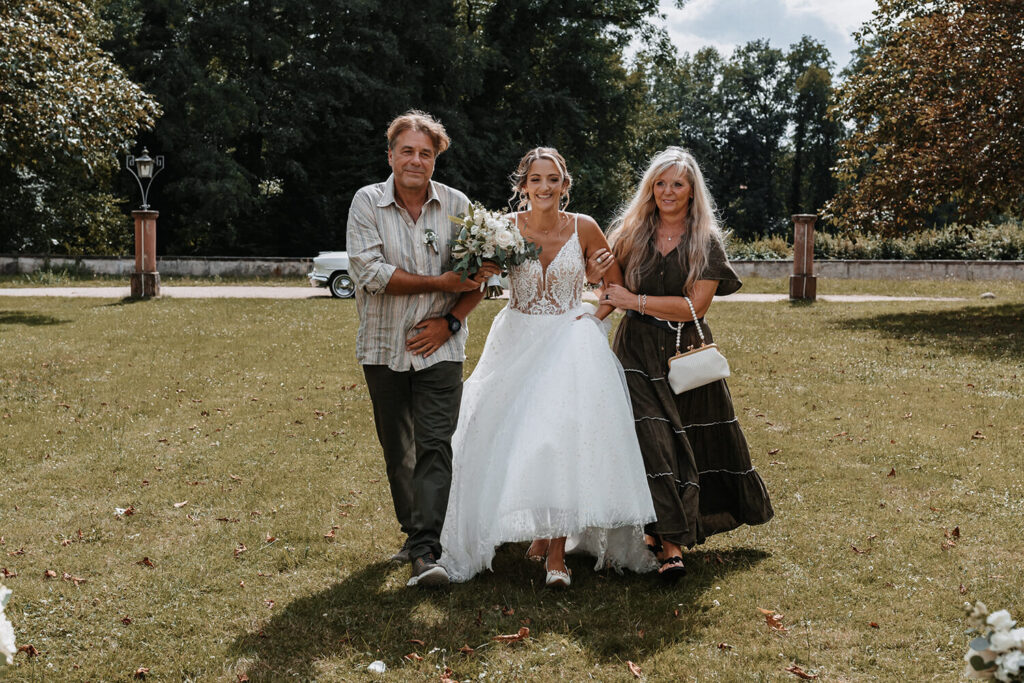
(66, 110)
(937, 111)
(756, 122)
(61, 96)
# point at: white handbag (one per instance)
(698, 367)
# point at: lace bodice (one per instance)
(552, 291)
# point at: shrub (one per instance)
(987, 242)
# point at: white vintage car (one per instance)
(330, 269)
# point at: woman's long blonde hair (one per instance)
(632, 238)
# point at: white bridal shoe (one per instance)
(556, 578)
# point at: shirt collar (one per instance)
(389, 193)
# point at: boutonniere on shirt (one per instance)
(430, 239)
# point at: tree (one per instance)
(815, 134)
(937, 112)
(66, 111)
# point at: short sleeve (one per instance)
(718, 268)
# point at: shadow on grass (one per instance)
(31, 319)
(984, 331)
(371, 615)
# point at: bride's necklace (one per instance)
(558, 223)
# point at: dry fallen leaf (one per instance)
(446, 677)
(141, 672)
(181, 504)
(963, 589)
(416, 641)
(329, 535)
(800, 673)
(514, 638)
(978, 435)
(50, 574)
(413, 657)
(633, 669)
(77, 580)
(466, 650)
(126, 620)
(892, 472)
(242, 678)
(773, 620)
(508, 611)
(859, 551)
(271, 539)
(146, 562)
(29, 650)
(724, 646)
(874, 624)
(240, 549)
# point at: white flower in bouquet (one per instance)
(7, 647)
(488, 236)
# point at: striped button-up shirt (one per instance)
(383, 237)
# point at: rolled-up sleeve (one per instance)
(365, 247)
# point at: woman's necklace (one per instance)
(558, 223)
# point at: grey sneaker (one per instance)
(427, 572)
(402, 556)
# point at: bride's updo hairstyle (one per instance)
(632, 237)
(520, 201)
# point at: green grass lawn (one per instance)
(240, 436)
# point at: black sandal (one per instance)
(654, 547)
(673, 569)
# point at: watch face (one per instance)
(454, 324)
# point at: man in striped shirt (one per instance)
(412, 332)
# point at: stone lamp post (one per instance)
(145, 281)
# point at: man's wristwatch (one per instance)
(454, 324)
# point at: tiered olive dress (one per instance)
(697, 460)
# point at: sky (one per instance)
(725, 24)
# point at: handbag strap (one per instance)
(679, 327)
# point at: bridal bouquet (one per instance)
(999, 653)
(7, 646)
(488, 236)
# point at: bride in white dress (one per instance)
(545, 447)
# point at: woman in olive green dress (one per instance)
(669, 246)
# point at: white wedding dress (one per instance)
(545, 446)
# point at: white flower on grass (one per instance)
(976, 614)
(1001, 620)
(1004, 641)
(7, 647)
(1011, 664)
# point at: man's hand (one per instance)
(598, 264)
(433, 332)
(488, 269)
(453, 283)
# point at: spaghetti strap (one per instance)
(576, 224)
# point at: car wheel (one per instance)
(341, 285)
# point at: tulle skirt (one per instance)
(546, 447)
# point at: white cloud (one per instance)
(846, 16)
(725, 24)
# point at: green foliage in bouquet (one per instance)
(488, 236)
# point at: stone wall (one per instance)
(225, 266)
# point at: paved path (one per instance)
(240, 292)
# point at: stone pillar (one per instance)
(145, 281)
(802, 283)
